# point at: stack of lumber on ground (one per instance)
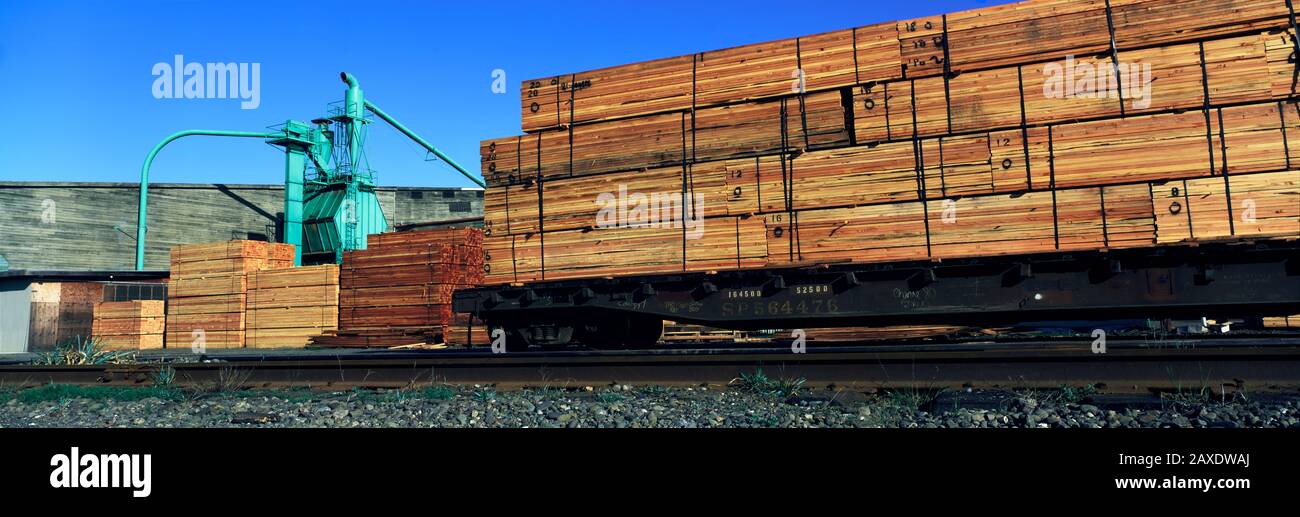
(465, 330)
(857, 334)
(1283, 322)
(686, 333)
(208, 289)
(130, 325)
(288, 307)
(1040, 126)
(236, 256)
(398, 291)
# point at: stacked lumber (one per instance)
(398, 291)
(288, 307)
(989, 38)
(465, 330)
(1034, 127)
(206, 311)
(1282, 322)
(859, 334)
(208, 290)
(130, 325)
(236, 256)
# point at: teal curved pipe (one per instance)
(142, 212)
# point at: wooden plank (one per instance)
(127, 326)
(192, 339)
(321, 275)
(1150, 147)
(873, 233)
(189, 286)
(1130, 216)
(129, 309)
(237, 256)
(323, 317)
(992, 225)
(132, 342)
(296, 296)
(1262, 205)
(1003, 35)
(1158, 22)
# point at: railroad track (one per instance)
(1256, 364)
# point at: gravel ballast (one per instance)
(619, 407)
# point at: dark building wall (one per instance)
(91, 226)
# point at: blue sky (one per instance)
(76, 82)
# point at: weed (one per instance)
(231, 379)
(1184, 399)
(1074, 394)
(164, 376)
(90, 350)
(437, 393)
(758, 382)
(912, 398)
(609, 397)
(485, 395)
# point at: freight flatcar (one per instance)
(1044, 159)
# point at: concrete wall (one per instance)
(91, 226)
(15, 315)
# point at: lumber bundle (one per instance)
(746, 129)
(1034, 127)
(1002, 36)
(465, 330)
(287, 307)
(751, 72)
(208, 291)
(129, 325)
(398, 291)
(859, 334)
(686, 333)
(206, 310)
(236, 256)
(1282, 322)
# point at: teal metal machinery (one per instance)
(330, 204)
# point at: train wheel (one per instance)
(520, 336)
(617, 332)
(644, 332)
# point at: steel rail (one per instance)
(1268, 365)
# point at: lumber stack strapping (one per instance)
(398, 291)
(1002, 36)
(287, 307)
(129, 325)
(1040, 126)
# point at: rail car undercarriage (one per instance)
(1224, 280)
